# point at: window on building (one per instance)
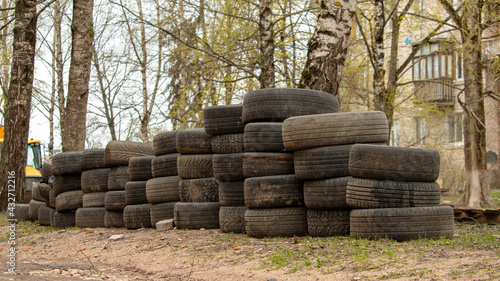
(420, 132)
(394, 138)
(433, 61)
(460, 67)
(455, 128)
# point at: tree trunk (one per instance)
(74, 132)
(5, 55)
(266, 77)
(18, 105)
(379, 89)
(58, 12)
(327, 48)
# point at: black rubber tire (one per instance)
(95, 180)
(193, 141)
(224, 144)
(232, 219)
(403, 223)
(162, 211)
(228, 167)
(165, 143)
(335, 129)
(52, 199)
(199, 190)
(165, 189)
(44, 214)
(322, 162)
(117, 178)
(115, 200)
(135, 192)
(69, 201)
(326, 194)
(43, 190)
(137, 216)
(67, 163)
(90, 217)
(66, 219)
(264, 137)
(369, 194)
(232, 193)
(195, 166)
(120, 152)
(139, 168)
(21, 212)
(164, 165)
(65, 183)
(223, 119)
(196, 215)
(93, 159)
(94, 199)
(113, 219)
(274, 222)
(33, 209)
(273, 192)
(324, 223)
(279, 104)
(261, 164)
(46, 170)
(35, 192)
(394, 163)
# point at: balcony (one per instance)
(437, 91)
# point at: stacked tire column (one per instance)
(322, 145)
(226, 127)
(198, 189)
(273, 195)
(66, 188)
(162, 191)
(95, 186)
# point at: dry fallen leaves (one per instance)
(237, 248)
(89, 231)
(82, 249)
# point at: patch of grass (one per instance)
(27, 227)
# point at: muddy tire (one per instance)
(65, 183)
(164, 165)
(261, 164)
(195, 166)
(65, 219)
(276, 104)
(46, 171)
(273, 192)
(135, 192)
(403, 223)
(232, 193)
(369, 194)
(394, 163)
(228, 167)
(225, 144)
(33, 209)
(67, 163)
(90, 217)
(137, 216)
(162, 211)
(324, 223)
(274, 222)
(113, 219)
(326, 194)
(21, 212)
(93, 159)
(120, 152)
(165, 143)
(165, 189)
(322, 163)
(196, 215)
(263, 137)
(95, 180)
(305, 132)
(115, 200)
(199, 190)
(44, 214)
(52, 199)
(117, 178)
(139, 168)
(232, 219)
(94, 199)
(223, 119)
(69, 201)
(194, 141)
(44, 190)
(35, 192)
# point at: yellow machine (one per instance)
(33, 161)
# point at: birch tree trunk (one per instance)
(74, 132)
(327, 48)
(18, 105)
(266, 77)
(379, 88)
(58, 12)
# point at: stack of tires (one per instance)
(162, 191)
(225, 126)
(66, 189)
(94, 185)
(198, 189)
(114, 201)
(321, 145)
(35, 203)
(395, 193)
(273, 195)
